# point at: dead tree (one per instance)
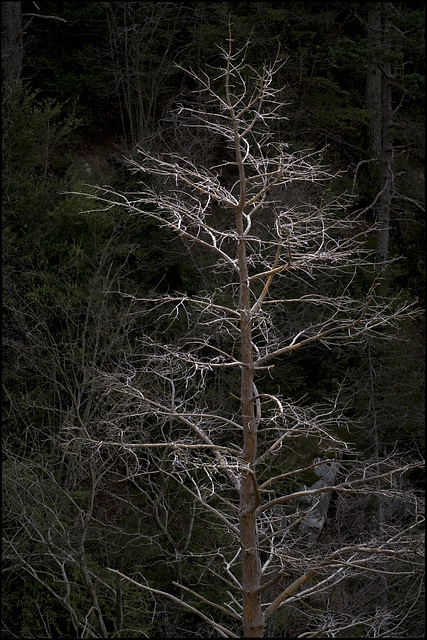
(264, 236)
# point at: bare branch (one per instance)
(223, 631)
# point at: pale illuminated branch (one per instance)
(182, 417)
(199, 364)
(290, 433)
(223, 631)
(295, 472)
(205, 183)
(197, 496)
(352, 486)
(260, 99)
(362, 565)
(257, 97)
(38, 15)
(326, 563)
(321, 585)
(342, 327)
(206, 83)
(261, 94)
(221, 129)
(288, 591)
(268, 186)
(339, 303)
(259, 116)
(175, 226)
(184, 298)
(189, 423)
(264, 177)
(187, 217)
(234, 585)
(157, 445)
(229, 612)
(270, 274)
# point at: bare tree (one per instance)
(266, 237)
(58, 497)
(141, 64)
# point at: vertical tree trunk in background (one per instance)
(386, 156)
(373, 79)
(12, 41)
(141, 66)
(377, 453)
(379, 105)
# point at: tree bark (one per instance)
(12, 41)
(373, 79)
(253, 618)
(386, 157)
(379, 105)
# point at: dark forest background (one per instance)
(85, 84)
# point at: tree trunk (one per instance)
(12, 41)
(386, 176)
(253, 618)
(374, 80)
(379, 105)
